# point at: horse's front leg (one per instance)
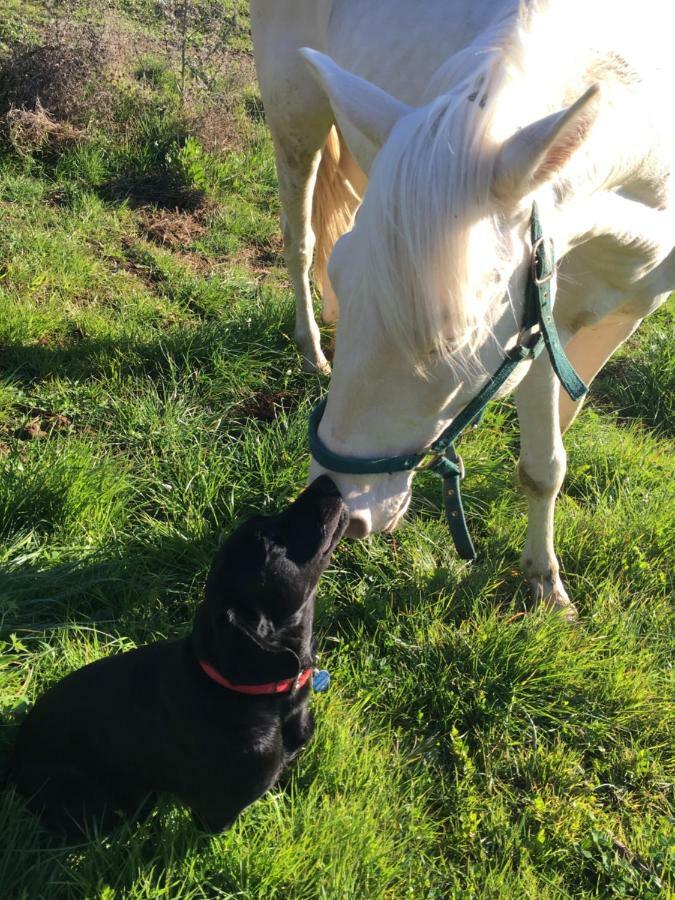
(541, 470)
(299, 117)
(297, 176)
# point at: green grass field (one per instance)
(151, 398)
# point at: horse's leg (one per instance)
(588, 351)
(541, 470)
(299, 117)
(297, 165)
(591, 346)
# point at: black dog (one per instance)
(213, 718)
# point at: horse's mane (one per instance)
(429, 184)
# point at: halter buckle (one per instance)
(546, 276)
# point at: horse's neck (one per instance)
(563, 49)
(618, 186)
(615, 207)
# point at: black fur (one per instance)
(99, 744)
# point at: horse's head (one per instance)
(431, 279)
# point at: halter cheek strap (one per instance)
(538, 331)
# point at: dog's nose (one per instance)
(357, 528)
(324, 486)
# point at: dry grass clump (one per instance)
(175, 229)
(32, 130)
(214, 109)
(71, 77)
(71, 72)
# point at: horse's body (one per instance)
(431, 278)
(300, 116)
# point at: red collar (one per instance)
(273, 687)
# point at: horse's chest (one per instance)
(599, 279)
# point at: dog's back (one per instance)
(100, 743)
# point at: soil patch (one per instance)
(41, 423)
(175, 229)
(266, 406)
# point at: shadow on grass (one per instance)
(175, 351)
(636, 388)
(160, 191)
(37, 864)
(136, 588)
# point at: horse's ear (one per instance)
(537, 152)
(366, 107)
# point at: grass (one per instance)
(151, 398)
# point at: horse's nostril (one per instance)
(357, 528)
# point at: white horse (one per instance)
(489, 105)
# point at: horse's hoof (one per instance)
(552, 597)
(319, 367)
(562, 606)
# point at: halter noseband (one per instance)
(441, 456)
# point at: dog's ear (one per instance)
(239, 651)
(255, 573)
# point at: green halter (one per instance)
(441, 457)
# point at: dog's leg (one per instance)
(67, 801)
(297, 732)
(216, 809)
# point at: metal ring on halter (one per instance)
(434, 455)
(429, 459)
(533, 263)
(462, 469)
(529, 336)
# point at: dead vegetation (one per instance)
(70, 71)
(74, 72)
(39, 423)
(266, 406)
(174, 229)
(34, 130)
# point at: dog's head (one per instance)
(256, 619)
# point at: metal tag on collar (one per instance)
(320, 681)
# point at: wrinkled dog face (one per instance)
(272, 564)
